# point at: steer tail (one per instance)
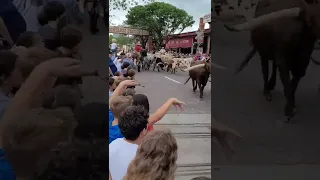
(315, 61)
(187, 80)
(245, 62)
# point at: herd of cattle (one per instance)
(199, 71)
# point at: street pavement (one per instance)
(190, 127)
(238, 102)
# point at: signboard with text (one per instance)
(126, 30)
(207, 18)
(179, 43)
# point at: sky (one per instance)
(195, 8)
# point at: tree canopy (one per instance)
(121, 39)
(160, 19)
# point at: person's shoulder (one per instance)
(116, 143)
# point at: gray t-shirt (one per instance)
(4, 101)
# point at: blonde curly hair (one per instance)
(155, 159)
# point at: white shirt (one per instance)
(163, 51)
(121, 153)
(113, 46)
(118, 64)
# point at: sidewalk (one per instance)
(193, 135)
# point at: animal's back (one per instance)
(269, 6)
(276, 33)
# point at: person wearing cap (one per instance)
(112, 66)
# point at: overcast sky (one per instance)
(195, 8)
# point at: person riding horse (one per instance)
(137, 55)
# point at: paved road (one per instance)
(238, 103)
(160, 86)
(191, 127)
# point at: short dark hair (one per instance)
(70, 36)
(111, 81)
(132, 121)
(131, 72)
(78, 159)
(26, 39)
(92, 121)
(141, 100)
(51, 12)
(8, 61)
(117, 73)
(125, 65)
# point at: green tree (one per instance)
(110, 38)
(124, 40)
(160, 19)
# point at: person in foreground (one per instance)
(22, 148)
(133, 126)
(156, 158)
(114, 102)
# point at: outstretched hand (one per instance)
(179, 105)
(225, 136)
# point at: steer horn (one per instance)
(194, 67)
(258, 21)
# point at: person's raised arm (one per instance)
(158, 115)
(40, 79)
(121, 87)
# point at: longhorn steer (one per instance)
(199, 72)
(284, 31)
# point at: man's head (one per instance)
(131, 73)
(119, 103)
(70, 37)
(30, 39)
(112, 84)
(129, 92)
(10, 73)
(52, 11)
(133, 122)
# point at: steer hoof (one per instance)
(267, 95)
(289, 118)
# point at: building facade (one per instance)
(190, 42)
(185, 42)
